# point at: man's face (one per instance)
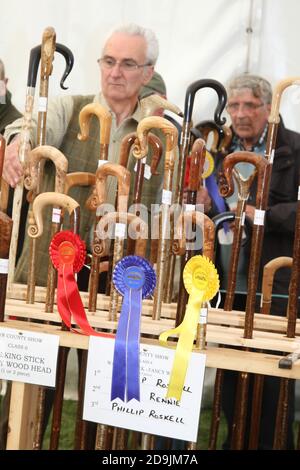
(117, 82)
(249, 114)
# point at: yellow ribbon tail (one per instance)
(184, 348)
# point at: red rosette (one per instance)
(67, 247)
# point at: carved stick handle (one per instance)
(35, 228)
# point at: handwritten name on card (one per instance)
(154, 414)
(28, 357)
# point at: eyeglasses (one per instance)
(248, 107)
(127, 65)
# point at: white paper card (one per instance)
(147, 169)
(4, 266)
(42, 104)
(28, 357)
(189, 207)
(243, 219)
(298, 193)
(120, 230)
(101, 162)
(166, 197)
(203, 316)
(56, 215)
(154, 414)
(259, 217)
(147, 172)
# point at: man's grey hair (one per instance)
(151, 40)
(259, 86)
(2, 70)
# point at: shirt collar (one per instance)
(259, 147)
(136, 116)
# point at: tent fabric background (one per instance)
(198, 39)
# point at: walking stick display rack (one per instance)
(224, 328)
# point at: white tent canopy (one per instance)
(198, 39)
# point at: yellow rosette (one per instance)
(201, 281)
(208, 166)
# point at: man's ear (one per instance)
(148, 74)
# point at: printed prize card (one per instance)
(28, 357)
(154, 413)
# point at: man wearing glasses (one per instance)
(249, 105)
(126, 66)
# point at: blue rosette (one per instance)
(135, 279)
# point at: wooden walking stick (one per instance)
(281, 428)
(47, 56)
(140, 151)
(120, 221)
(4, 188)
(141, 166)
(219, 220)
(31, 180)
(185, 145)
(105, 120)
(5, 237)
(196, 168)
(123, 177)
(35, 230)
(180, 248)
(34, 60)
(226, 186)
(48, 48)
(269, 272)
(105, 433)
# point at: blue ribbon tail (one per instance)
(133, 346)
(118, 384)
(213, 191)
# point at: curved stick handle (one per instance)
(196, 165)
(150, 103)
(123, 177)
(205, 127)
(69, 58)
(105, 119)
(278, 90)
(268, 277)
(226, 185)
(190, 96)
(79, 178)
(219, 219)
(154, 122)
(34, 60)
(125, 218)
(225, 140)
(35, 228)
(157, 150)
(126, 144)
(38, 154)
(5, 232)
(47, 52)
(208, 229)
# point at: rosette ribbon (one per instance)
(67, 252)
(134, 278)
(201, 281)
